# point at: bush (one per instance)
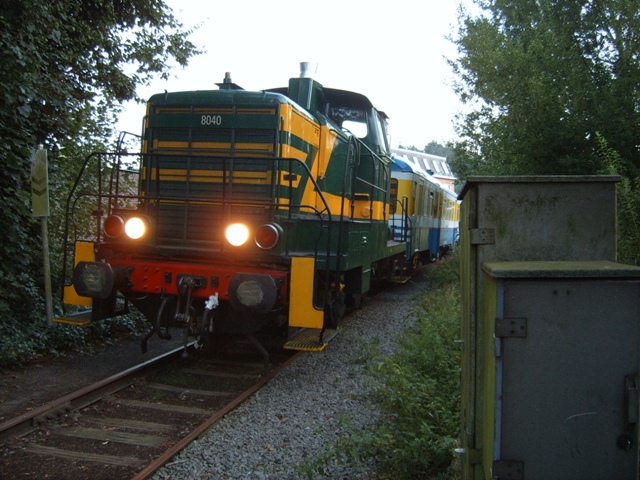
(22, 342)
(628, 204)
(418, 389)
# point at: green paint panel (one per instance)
(217, 98)
(212, 121)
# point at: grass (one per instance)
(416, 391)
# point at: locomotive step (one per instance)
(84, 317)
(79, 318)
(308, 339)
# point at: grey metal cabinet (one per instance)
(561, 387)
(545, 220)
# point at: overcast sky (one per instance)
(393, 52)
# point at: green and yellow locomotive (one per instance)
(244, 209)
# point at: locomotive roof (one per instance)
(331, 96)
(334, 96)
(216, 97)
(206, 96)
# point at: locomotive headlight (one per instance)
(93, 279)
(113, 226)
(268, 235)
(135, 228)
(253, 292)
(250, 294)
(237, 234)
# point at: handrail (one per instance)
(374, 156)
(405, 219)
(99, 160)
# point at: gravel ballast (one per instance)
(299, 414)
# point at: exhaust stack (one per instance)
(308, 69)
(227, 83)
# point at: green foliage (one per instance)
(541, 78)
(21, 343)
(67, 65)
(418, 388)
(436, 148)
(628, 207)
(417, 391)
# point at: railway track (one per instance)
(129, 425)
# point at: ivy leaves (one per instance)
(66, 67)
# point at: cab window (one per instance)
(352, 119)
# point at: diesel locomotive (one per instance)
(246, 209)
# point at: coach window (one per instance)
(430, 204)
(420, 200)
(393, 197)
(433, 204)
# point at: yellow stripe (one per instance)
(299, 125)
(329, 137)
(302, 312)
(171, 110)
(83, 252)
(287, 151)
(256, 111)
(363, 209)
(180, 145)
(310, 196)
(212, 203)
(207, 176)
(208, 153)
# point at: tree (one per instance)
(67, 66)
(543, 78)
(435, 148)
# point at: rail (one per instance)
(137, 443)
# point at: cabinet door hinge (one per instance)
(483, 236)
(511, 327)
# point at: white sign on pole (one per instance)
(39, 183)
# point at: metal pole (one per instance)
(47, 270)
(40, 206)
